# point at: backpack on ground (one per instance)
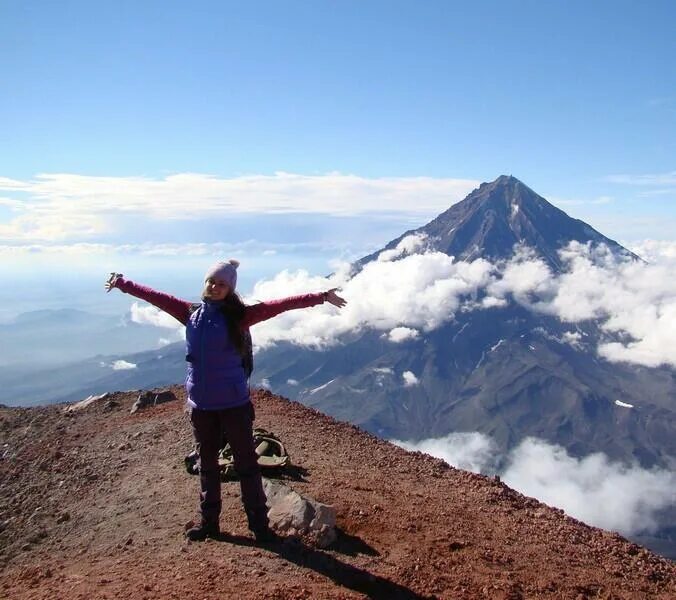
(270, 450)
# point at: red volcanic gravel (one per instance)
(93, 504)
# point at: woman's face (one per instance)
(215, 289)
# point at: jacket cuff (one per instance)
(121, 284)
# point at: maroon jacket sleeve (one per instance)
(266, 310)
(177, 308)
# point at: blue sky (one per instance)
(310, 117)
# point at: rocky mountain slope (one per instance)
(93, 504)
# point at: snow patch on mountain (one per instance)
(122, 365)
(321, 387)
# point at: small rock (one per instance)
(152, 398)
(110, 405)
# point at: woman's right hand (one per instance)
(334, 298)
(112, 281)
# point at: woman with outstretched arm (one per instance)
(218, 347)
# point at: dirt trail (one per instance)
(93, 505)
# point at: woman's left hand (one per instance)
(334, 298)
(112, 281)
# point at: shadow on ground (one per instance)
(341, 573)
(351, 545)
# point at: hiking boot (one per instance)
(199, 533)
(265, 535)
(191, 462)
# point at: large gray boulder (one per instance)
(294, 514)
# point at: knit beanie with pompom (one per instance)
(224, 271)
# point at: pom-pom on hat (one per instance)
(225, 271)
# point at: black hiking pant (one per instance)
(209, 427)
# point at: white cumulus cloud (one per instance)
(471, 451)
(655, 251)
(630, 298)
(376, 298)
(146, 314)
(401, 334)
(408, 245)
(409, 379)
(592, 489)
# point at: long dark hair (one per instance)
(234, 310)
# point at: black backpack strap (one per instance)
(191, 310)
(247, 358)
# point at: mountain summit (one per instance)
(94, 500)
(499, 215)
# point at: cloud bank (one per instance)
(435, 287)
(592, 489)
(655, 251)
(60, 206)
(634, 302)
(171, 250)
(471, 451)
(652, 179)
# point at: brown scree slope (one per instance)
(93, 505)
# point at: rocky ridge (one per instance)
(93, 503)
